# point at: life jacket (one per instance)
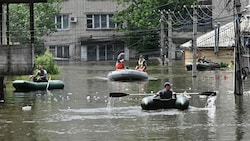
(119, 64)
(42, 74)
(141, 64)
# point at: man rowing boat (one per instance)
(41, 75)
(167, 92)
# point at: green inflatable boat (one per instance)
(154, 103)
(24, 85)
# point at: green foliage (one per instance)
(223, 64)
(19, 22)
(140, 21)
(48, 63)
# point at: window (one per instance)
(111, 24)
(62, 21)
(100, 21)
(89, 21)
(52, 50)
(60, 51)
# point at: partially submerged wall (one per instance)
(224, 55)
(16, 60)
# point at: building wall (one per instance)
(78, 36)
(223, 13)
(223, 55)
(13, 60)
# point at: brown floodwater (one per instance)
(83, 110)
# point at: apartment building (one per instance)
(86, 32)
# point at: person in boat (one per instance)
(41, 75)
(141, 64)
(120, 61)
(166, 92)
(203, 60)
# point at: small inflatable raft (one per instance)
(153, 103)
(127, 75)
(24, 85)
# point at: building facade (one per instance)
(86, 32)
(218, 44)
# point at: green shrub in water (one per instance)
(223, 65)
(48, 63)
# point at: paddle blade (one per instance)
(117, 94)
(208, 93)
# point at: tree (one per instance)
(140, 21)
(19, 18)
(48, 63)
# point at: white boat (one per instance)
(127, 75)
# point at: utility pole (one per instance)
(194, 42)
(217, 39)
(170, 42)
(32, 30)
(162, 34)
(7, 25)
(238, 89)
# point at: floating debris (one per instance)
(26, 108)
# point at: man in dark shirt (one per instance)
(41, 75)
(167, 92)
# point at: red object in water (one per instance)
(217, 77)
(225, 77)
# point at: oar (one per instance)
(48, 83)
(121, 94)
(208, 93)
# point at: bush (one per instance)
(48, 63)
(223, 65)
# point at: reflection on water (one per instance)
(30, 98)
(83, 110)
(128, 87)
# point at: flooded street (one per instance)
(83, 110)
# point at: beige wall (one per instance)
(224, 55)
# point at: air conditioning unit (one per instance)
(73, 19)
